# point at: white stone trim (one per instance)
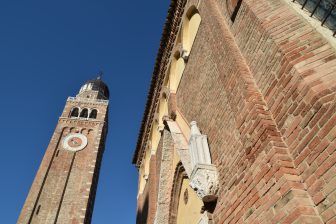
(198, 146)
(204, 180)
(204, 219)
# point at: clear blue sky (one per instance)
(48, 49)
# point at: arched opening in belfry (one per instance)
(74, 112)
(84, 113)
(93, 114)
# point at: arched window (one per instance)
(84, 113)
(176, 71)
(93, 114)
(185, 206)
(74, 112)
(191, 24)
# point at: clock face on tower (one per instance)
(74, 142)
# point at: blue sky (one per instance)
(48, 49)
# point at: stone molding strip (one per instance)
(181, 146)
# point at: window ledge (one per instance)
(324, 31)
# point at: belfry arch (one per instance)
(74, 112)
(93, 114)
(84, 113)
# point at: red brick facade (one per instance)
(263, 90)
(65, 185)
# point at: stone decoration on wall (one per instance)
(198, 145)
(181, 145)
(204, 181)
(165, 179)
(204, 219)
(204, 177)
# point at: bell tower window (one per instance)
(93, 114)
(84, 113)
(74, 112)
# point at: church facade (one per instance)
(239, 125)
(65, 185)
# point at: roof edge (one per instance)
(166, 37)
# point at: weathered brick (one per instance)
(262, 90)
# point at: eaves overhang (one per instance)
(166, 44)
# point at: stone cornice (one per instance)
(167, 42)
(78, 121)
(87, 101)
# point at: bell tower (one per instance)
(65, 185)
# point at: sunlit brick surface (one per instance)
(65, 185)
(263, 90)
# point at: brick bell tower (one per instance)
(65, 185)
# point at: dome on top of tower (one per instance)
(96, 85)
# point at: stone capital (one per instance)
(204, 180)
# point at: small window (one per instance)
(323, 10)
(74, 112)
(38, 210)
(84, 113)
(236, 9)
(93, 114)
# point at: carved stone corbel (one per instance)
(204, 177)
(204, 180)
(185, 55)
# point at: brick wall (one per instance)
(65, 184)
(147, 201)
(263, 90)
(155, 201)
(142, 208)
